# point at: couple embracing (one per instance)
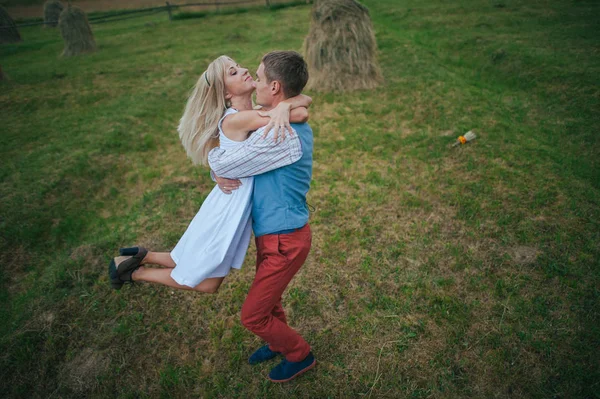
(263, 169)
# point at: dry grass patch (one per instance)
(80, 374)
(15, 263)
(523, 255)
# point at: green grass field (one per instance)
(435, 271)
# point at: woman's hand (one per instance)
(280, 120)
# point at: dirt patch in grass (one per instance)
(83, 252)
(524, 255)
(80, 374)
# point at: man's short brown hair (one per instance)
(289, 69)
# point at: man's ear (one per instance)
(275, 87)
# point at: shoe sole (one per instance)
(299, 373)
(115, 281)
(131, 251)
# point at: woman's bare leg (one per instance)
(163, 276)
(159, 258)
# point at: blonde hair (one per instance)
(199, 126)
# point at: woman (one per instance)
(218, 113)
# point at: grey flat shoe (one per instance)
(121, 268)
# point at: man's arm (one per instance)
(256, 156)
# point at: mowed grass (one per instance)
(435, 271)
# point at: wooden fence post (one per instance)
(268, 3)
(169, 11)
(217, 5)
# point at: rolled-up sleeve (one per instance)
(257, 155)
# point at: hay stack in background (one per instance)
(340, 48)
(8, 30)
(52, 10)
(76, 32)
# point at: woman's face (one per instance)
(238, 80)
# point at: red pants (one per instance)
(279, 257)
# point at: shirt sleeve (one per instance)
(255, 156)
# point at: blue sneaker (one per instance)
(287, 370)
(262, 354)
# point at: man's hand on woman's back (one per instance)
(227, 185)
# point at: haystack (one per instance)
(340, 48)
(8, 30)
(52, 10)
(76, 31)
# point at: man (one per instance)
(279, 220)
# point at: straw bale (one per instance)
(76, 31)
(340, 49)
(52, 10)
(8, 30)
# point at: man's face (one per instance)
(263, 89)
